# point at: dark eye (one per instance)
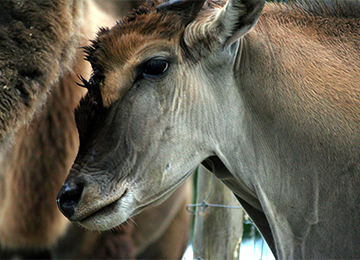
(155, 67)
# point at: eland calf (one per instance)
(40, 58)
(270, 103)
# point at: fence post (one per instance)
(218, 229)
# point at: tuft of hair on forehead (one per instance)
(92, 48)
(144, 20)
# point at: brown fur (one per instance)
(147, 22)
(37, 50)
(285, 97)
(38, 72)
(315, 35)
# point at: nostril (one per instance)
(69, 197)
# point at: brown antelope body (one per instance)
(270, 103)
(40, 60)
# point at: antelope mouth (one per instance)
(105, 210)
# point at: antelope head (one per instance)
(148, 119)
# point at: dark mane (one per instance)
(331, 8)
(329, 18)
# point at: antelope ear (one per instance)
(187, 9)
(237, 18)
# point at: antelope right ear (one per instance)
(187, 9)
(237, 18)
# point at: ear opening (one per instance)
(238, 17)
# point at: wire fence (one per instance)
(252, 245)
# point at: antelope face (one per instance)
(144, 124)
(134, 129)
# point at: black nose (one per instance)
(68, 198)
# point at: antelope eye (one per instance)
(155, 67)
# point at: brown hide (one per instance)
(35, 165)
(271, 103)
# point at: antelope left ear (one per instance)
(237, 18)
(187, 9)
